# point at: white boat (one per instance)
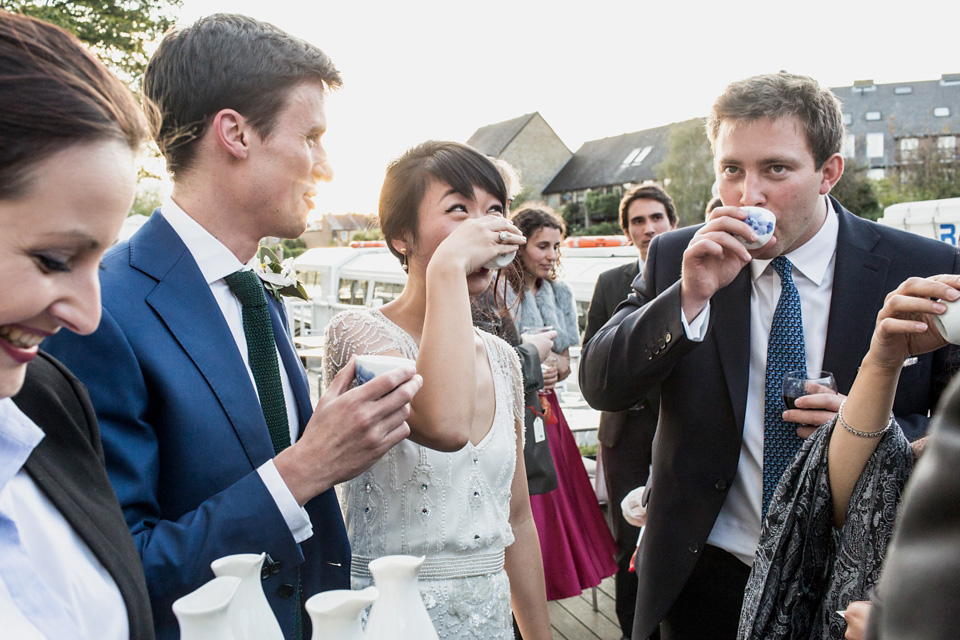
(338, 278)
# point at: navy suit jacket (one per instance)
(183, 431)
(703, 386)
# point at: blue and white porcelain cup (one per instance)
(369, 367)
(763, 222)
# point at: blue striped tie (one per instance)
(785, 353)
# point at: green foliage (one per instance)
(367, 234)
(117, 30)
(526, 195)
(687, 171)
(589, 450)
(934, 175)
(608, 228)
(572, 213)
(857, 193)
(149, 196)
(602, 207)
(284, 248)
(292, 247)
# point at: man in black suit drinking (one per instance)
(709, 319)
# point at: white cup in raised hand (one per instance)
(948, 322)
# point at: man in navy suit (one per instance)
(626, 437)
(238, 112)
(698, 325)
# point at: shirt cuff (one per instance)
(294, 515)
(697, 330)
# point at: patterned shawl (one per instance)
(805, 570)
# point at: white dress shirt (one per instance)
(216, 262)
(51, 584)
(737, 528)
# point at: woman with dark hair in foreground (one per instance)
(70, 133)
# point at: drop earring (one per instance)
(403, 262)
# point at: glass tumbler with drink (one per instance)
(804, 383)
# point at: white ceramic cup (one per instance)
(948, 323)
(501, 261)
(369, 367)
(763, 222)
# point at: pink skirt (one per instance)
(575, 541)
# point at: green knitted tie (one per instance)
(262, 354)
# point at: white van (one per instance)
(937, 219)
(338, 278)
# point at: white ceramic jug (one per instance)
(250, 614)
(398, 614)
(204, 613)
(336, 614)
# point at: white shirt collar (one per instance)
(813, 256)
(214, 259)
(19, 436)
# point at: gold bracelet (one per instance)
(857, 432)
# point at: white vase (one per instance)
(250, 614)
(336, 614)
(203, 614)
(398, 614)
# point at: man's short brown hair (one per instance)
(225, 61)
(779, 95)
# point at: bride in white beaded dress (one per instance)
(456, 490)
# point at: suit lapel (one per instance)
(731, 314)
(858, 282)
(186, 306)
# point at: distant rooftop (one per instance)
(627, 158)
(494, 138)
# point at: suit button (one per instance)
(649, 355)
(275, 568)
(285, 590)
(721, 485)
(668, 337)
(693, 547)
(663, 343)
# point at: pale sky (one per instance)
(430, 69)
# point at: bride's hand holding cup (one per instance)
(488, 241)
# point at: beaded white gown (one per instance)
(452, 508)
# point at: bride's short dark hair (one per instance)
(460, 166)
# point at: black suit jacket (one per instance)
(67, 465)
(613, 286)
(704, 385)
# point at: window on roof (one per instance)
(849, 148)
(903, 90)
(874, 145)
(636, 157)
(872, 115)
(847, 118)
(941, 112)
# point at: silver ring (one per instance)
(503, 236)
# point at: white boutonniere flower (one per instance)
(277, 276)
